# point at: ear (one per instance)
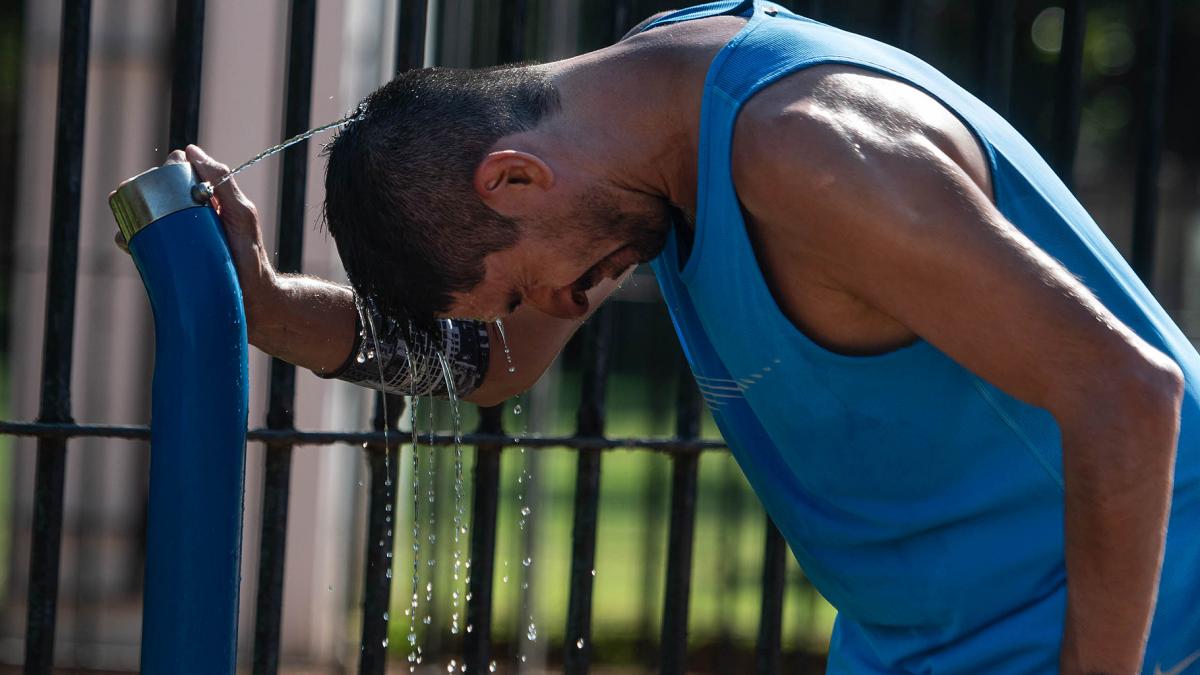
(506, 177)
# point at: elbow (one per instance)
(1136, 399)
(1139, 391)
(1151, 389)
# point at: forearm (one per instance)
(1118, 469)
(303, 320)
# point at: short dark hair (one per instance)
(399, 197)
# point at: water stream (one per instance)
(204, 191)
(459, 504)
(387, 447)
(525, 509)
(525, 513)
(414, 649)
(504, 344)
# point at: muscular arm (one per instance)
(314, 324)
(893, 218)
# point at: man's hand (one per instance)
(240, 220)
(242, 232)
(303, 320)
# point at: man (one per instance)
(960, 406)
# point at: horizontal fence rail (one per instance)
(298, 437)
(995, 26)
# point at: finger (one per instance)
(119, 240)
(176, 157)
(211, 170)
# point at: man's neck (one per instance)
(632, 112)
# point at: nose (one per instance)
(561, 303)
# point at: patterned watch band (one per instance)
(415, 368)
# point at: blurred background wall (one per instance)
(99, 619)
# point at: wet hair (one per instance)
(399, 197)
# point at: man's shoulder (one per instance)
(826, 122)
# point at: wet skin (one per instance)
(869, 206)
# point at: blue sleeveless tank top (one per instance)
(924, 503)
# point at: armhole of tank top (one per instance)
(674, 17)
(698, 249)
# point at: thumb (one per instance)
(212, 171)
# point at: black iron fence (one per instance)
(55, 427)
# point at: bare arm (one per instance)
(312, 322)
(896, 223)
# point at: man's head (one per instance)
(435, 213)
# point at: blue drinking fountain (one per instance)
(198, 428)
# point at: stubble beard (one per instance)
(642, 228)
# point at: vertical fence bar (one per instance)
(384, 468)
(1155, 44)
(577, 651)
(477, 645)
(410, 34)
(1069, 86)
(513, 14)
(651, 507)
(770, 624)
(685, 469)
(188, 53)
(813, 9)
(994, 31)
(590, 422)
(55, 405)
(900, 23)
(282, 393)
(622, 19)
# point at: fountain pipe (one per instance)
(198, 425)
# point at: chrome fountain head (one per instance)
(155, 194)
(202, 192)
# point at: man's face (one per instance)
(554, 264)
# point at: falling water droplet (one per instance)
(579, 643)
(517, 409)
(504, 344)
